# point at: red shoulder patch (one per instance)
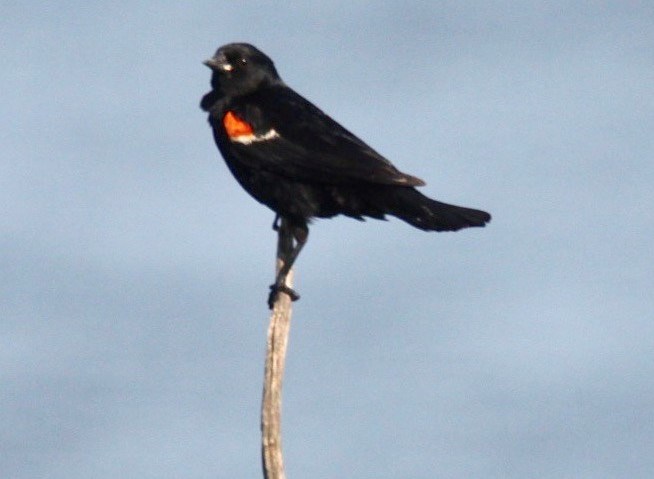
(235, 126)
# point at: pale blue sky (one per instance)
(134, 270)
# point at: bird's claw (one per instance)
(275, 289)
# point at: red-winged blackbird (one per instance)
(295, 159)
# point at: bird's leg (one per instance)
(275, 225)
(300, 234)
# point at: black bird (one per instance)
(295, 159)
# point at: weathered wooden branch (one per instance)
(271, 407)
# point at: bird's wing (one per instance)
(280, 131)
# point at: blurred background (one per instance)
(134, 270)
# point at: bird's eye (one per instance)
(244, 61)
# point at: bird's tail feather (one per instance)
(418, 210)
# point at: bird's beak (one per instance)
(219, 63)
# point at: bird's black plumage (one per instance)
(298, 161)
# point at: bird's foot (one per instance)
(275, 289)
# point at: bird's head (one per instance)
(240, 69)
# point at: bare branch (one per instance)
(278, 330)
